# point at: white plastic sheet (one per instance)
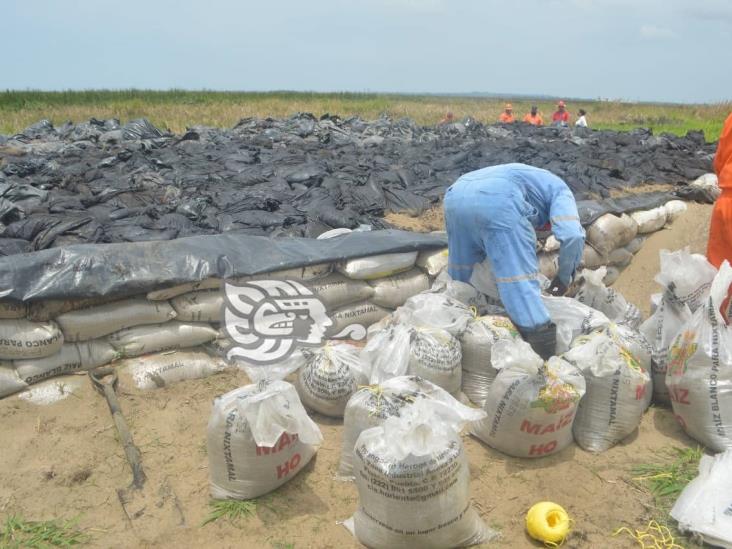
(704, 507)
(371, 406)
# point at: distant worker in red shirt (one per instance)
(507, 115)
(449, 118)
(719, 246)
(561, 116)
(534, 118)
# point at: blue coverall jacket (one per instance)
(494, 212)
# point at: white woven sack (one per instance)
(329, 376)
(393, 291)
(258, 438)
(377, 266)
(531, 405)
(413, 481)
(20, 339)
(102, 320)
(699, 374)
(617, 389)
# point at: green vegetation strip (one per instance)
(19, 533)
(178, 109)
(667, 480)
(232, 510)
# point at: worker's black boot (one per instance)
(543, 340)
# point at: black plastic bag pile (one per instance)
(100, 181)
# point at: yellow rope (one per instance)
(656, 536)
(554, 545)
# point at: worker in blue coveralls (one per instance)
(494, 212)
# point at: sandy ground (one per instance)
(64, 461)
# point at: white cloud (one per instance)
(652, 32)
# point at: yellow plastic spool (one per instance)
(548, 522)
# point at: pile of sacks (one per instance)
(401, 445)
(594, 392)
(399, 400)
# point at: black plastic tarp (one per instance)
(106, 270)
(99, 182)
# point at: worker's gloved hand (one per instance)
(543, 340)
(556, 288)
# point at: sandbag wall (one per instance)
(612, 240)
(43, 338)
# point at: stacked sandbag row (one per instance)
(40, 340)
(81, 337)
(612, 241)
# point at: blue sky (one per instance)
(655, 50)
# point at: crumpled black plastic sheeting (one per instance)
(103, 182)
(109, 270)
(590, 210)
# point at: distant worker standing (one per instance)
(493, 212)
(534, 118)
(582, 120)
(507, 115)
(561, 115)
(719, 246)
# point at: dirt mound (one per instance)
(431, 220)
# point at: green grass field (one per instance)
(178, 109)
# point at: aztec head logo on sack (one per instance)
(267, 320)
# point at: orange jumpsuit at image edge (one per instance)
(719, 246)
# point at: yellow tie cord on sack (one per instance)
(655, 536)
(378, 392)
(549, 523)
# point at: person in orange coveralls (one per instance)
(534, 118)
(719, 246)
(561, 116)
(507, 115)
